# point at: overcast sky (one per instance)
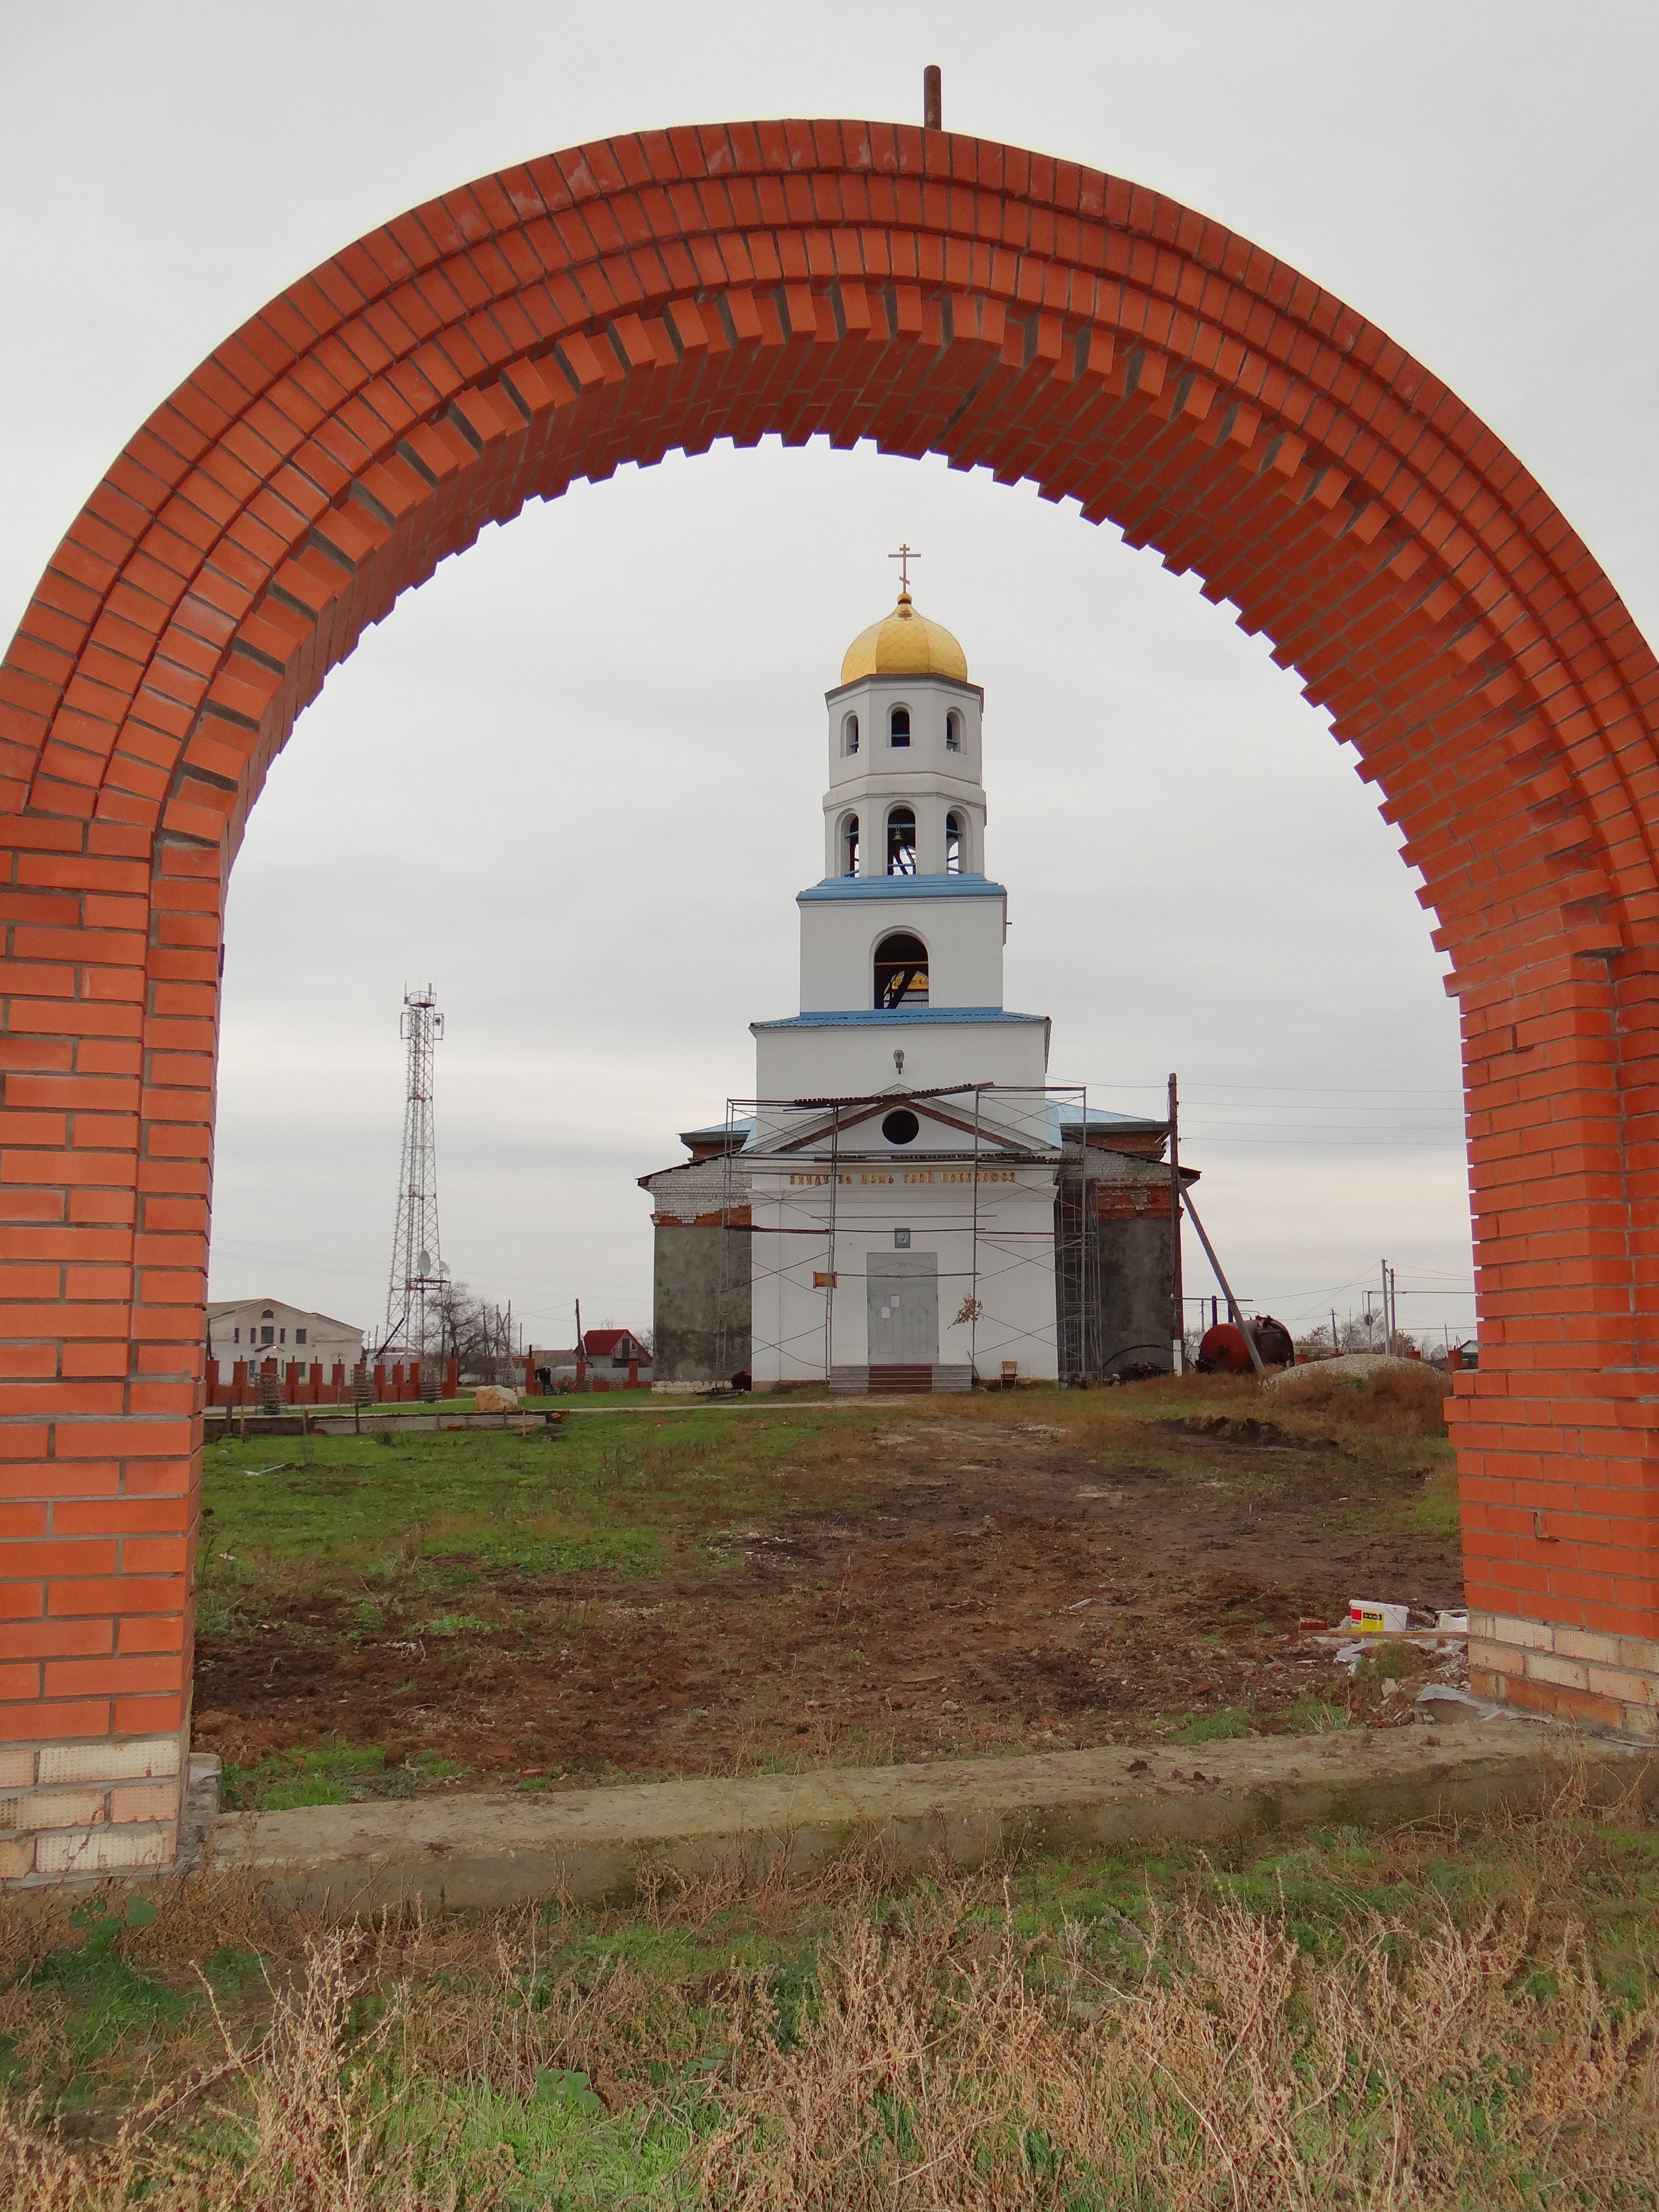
(574, 782)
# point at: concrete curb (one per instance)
(478, 1852)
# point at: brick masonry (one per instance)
(935, 293)
(88, 1808)
(1604, 1681)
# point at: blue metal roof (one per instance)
(879, 1017)
(720, 1128)
(883, 887)
(1062, 1117)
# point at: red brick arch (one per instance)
(936, 294)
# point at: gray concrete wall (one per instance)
(484, 1853)
(686, 1293)
(1125, 1221)
(1132, 1294)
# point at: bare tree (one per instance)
(477, 1335)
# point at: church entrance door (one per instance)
(902, 1292)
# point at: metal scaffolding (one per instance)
(417, 1269)
(1050, 1123)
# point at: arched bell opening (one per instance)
(902, 841)
(901, 971)
(849, 845)
(955, 843)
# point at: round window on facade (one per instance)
(901, 1127)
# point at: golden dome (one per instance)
(904, 643)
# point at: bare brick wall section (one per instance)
(934, 293)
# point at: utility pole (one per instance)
(1177, 1288)
(1385, 1325)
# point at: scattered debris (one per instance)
(1372, 1617)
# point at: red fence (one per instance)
(397, 1385)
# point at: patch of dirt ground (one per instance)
(998, 1589)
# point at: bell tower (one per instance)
(906, 796)
(905, 921)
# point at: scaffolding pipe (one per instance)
(1244, 1328)
(829, 1266)
(1177, 1288)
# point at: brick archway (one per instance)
(934, 293)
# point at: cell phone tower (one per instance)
(418, 1268)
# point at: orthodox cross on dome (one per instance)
(904, 556)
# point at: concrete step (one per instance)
(478, 1850)
(894, 1381)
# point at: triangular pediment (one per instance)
(947, 1125)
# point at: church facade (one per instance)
(908, 1202)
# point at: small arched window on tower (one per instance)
(849, 735)
(953, 731)
(901, 971)
(902, 841)
(953, 844)
(898, 726)
(849, 845)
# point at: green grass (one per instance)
(1215, 1728)
(330, 1773)
(394, 1530)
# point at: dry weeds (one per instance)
(1407, 1403)
(1391, 1405)
(308, 2134)
(946, 2048)
(936, 2072)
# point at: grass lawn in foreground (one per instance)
(713, 1590)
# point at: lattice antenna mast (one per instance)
(418, 1268)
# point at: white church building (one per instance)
(908, 1202)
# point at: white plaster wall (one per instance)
(1015, 1281)
(964, 934)
(929, 698)
(924, 774)
(326, 1339)
(857, 1061)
